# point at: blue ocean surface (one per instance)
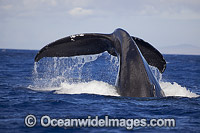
(83, 87)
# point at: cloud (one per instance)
(37, 3)
(7, 7)
(170, 9)
(78, 11)
(184, 14)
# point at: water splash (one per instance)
(76, 75)
(35, 69)
(172, 89)
(156, 73)
(92, 87)
(89, 74)
(51, 72)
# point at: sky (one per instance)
(32, 24)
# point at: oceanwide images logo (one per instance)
(46, 121)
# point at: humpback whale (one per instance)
(135, 78)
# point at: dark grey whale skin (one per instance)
(135, 79)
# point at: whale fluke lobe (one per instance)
(135, 78)
(151, 54)
(83, 44)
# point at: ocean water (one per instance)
(83, 87)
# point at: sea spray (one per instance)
(156, 73)
(92, 87)
(76, 75)
(172, 89)
(51, 72)
(35, 69)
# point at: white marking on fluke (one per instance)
(74, 36)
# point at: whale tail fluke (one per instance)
(88, 44)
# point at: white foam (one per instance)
(92, 87)
(102, 88)
(174, 89)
